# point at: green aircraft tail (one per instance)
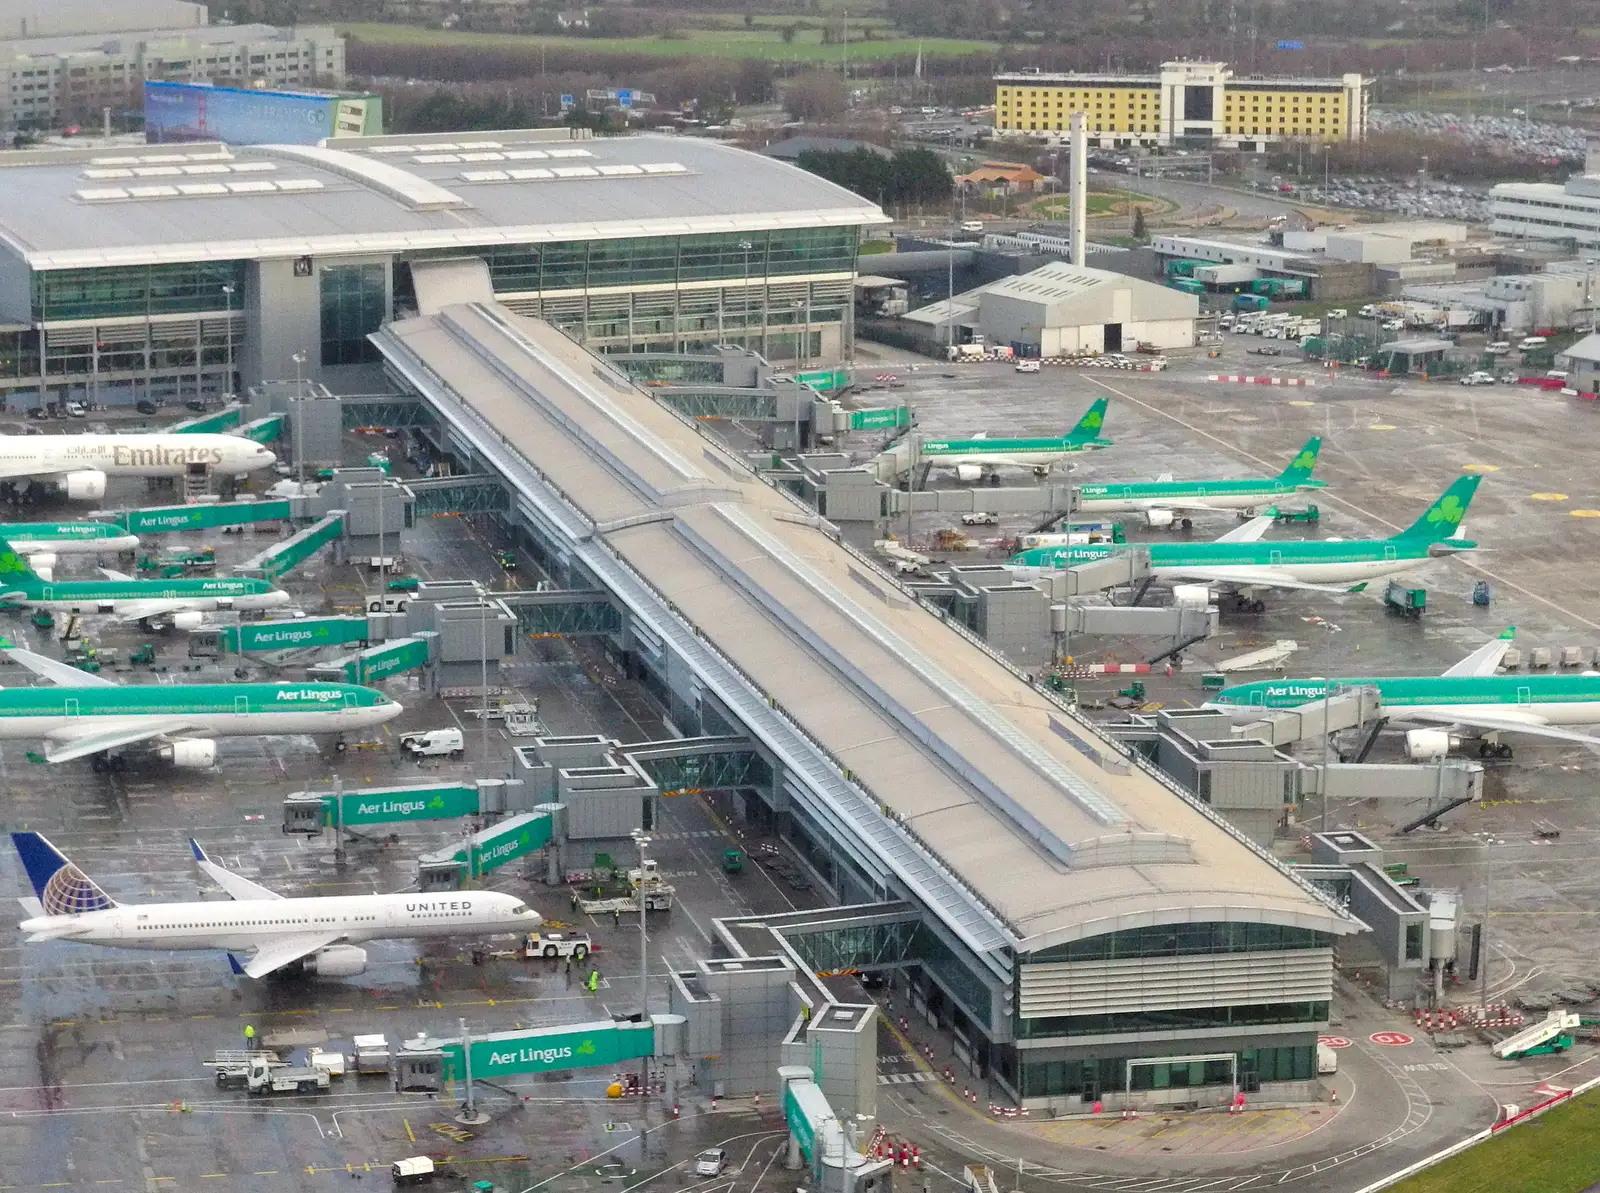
(1304, 463)
(1443, 518)
(15, 574)
(1090, 425)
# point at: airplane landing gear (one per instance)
(1187, 524)
(1246, 604)
(1494, 749)
(105, 764)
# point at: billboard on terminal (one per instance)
(245, 116)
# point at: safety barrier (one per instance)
(1244, 379)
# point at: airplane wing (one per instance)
(113, 574)
(237, 886)
(149, 607)
(1247, 532)
(286, 951)
(1501, 722)
(107, 733)
(1484, 660)
(1266, 577)
(57, 672)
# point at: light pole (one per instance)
(227, 298)
(299, 359)
(745, 246)
(642, 840)
(483, 712)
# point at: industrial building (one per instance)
(1060, 309)
(208, 269)
(181, 112)
(1084, 927)
(1566, 213)
(1582, 364)
(62, 63)
(1195, 104)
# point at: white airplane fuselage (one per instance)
(194, 603)
(103, 546)
(129, 455)
(211, 725)
(239, 924)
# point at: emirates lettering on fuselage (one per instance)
(123, 456)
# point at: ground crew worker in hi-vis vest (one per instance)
(594, 980)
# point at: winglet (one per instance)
(1305, 461)
(1443, 518)
(1509, 633)
(233, 964)
(1362, 587)
(199, 854)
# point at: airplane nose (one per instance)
(266, 457)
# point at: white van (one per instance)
(434, 743)
(1498, 347)
(415, 1170)
(1327, 1060)
(1528, 343)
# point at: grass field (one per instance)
(1554, 1153)
(1096, 203)
(764, 41)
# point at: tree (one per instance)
(1139, 231)
(815, 95)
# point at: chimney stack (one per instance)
(1078, 179)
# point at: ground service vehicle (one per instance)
(710, 1162)
(414, 1170)
(433, 743)
(1027, 366)
(266, 1078)
(556, 944)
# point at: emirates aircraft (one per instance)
(312, 936)
(80, 464)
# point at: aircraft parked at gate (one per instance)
(43, 542)
(313, 935)
(1162, 500)
(80, 464)
(975, 458)
(128, 599)
(1468, 700)
(1315, 565)
(86, 715)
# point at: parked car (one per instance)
(710, 1162)
(145, 406)
(1265, 351)
(1027, 366)
(37, 412)
(1497, 347)
(76, 410)
(1478, 378)
(1338, 313)
(196, 405)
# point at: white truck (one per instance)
(372, 1054)
(434, 743)
(265, 1077)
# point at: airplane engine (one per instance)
(336, 961)
(1426, 745)
(969, 472)
(87, 484)
(46, 573)
(44, 559)
(197, 753)
(188, 621)
(1158, 517)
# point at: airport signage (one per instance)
(799, 1123)
(393, 804)
(880, 417)
(381, 661)
(162, 519)
(508, 841)
(586, 1045)
(300, 633)
(1291, 45)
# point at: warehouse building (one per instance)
(1566, 213)
(1060, 309)
(200, 268)
(1195, 104)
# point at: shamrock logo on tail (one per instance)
(11, 565)
(1091, 421)
(1305, 461)
(1448, 511)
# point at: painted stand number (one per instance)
(1392, 1039)
(1334, 1041)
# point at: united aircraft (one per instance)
(1316, 565)
(1163, 500)
(127, 599)
(80, 464)
(1468, 700)
(975, 458)
(89, 716)
(312, 936)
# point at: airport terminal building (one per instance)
(177, 270)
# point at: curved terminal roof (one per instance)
(1018, 822)
(181, 203)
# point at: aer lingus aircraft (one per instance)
(1468, 700)
(183, 601)
(85, 715)
(42, 542)
(979, 456)
(1317, 565)
(318, 935)
(1160, 501)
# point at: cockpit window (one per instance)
(520, 909)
